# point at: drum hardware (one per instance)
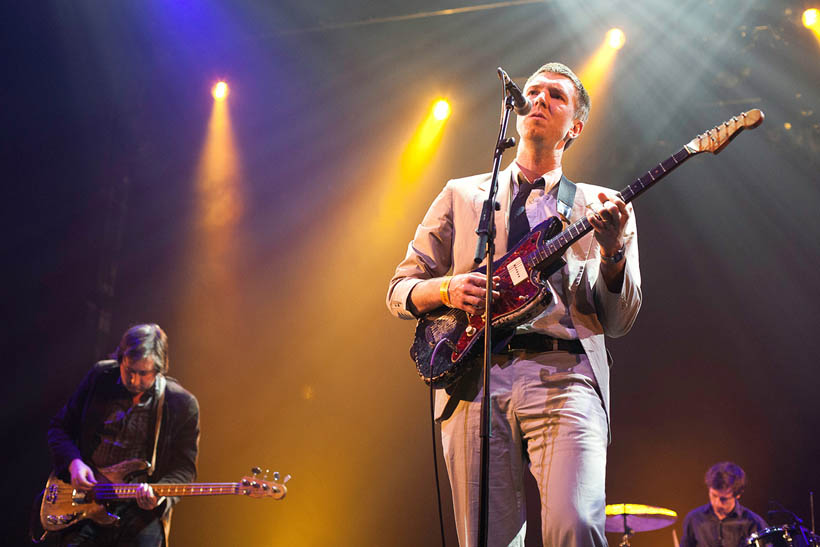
(628, 518)
(787, 535)
(783, 536)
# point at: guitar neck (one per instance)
(129, 491)
(579, 228)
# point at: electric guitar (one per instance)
(63, 506)
(446, 342)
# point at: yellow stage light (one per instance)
(220, 91)
(810, 18)
(615, 38)
(441, 110)
(596, 74)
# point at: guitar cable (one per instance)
(433, 431)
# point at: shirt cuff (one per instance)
(398, 298)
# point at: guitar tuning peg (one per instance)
(276, 476)
(267, 471)
(287, 478)
(256, 471)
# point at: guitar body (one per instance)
(63, 506)
(446, 344)
(446, 340)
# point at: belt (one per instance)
(541, 343)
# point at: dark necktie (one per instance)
(519, 225)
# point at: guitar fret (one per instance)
(669, 163)
(194, 489)
(582, 226)
(547, 252)
(626, 194)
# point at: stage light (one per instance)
(596, 74)
(441, 110)
(810, 18)
(615, 38)
(220, 91)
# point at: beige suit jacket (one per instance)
(445, 241)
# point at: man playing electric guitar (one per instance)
(550, 382)
(123, 410)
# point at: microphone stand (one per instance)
(486, 248)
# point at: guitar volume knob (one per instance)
(65, 519)
(470, 330)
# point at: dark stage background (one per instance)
(264, 243)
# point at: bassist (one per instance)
(550, 402)
(128, 409)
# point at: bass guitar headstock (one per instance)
(719, 136)
(254, 487)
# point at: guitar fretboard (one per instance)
(558, 244)
(128, 491)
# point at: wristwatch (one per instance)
(613, 259)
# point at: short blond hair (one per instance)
(582, 102)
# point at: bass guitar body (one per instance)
(448, 340)
(63, 506)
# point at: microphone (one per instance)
(520, 102)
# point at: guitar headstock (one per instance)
(719, 136)
(254, 487)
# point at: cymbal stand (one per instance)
(627, 532)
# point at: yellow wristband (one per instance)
(444, 290)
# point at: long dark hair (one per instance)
(145, 341)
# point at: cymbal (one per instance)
(638, 518)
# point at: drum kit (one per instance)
(628, 518)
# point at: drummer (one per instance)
(722, 522)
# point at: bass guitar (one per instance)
(63, 506)
(446, 342)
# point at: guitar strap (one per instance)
(566, 197)
(160, 404)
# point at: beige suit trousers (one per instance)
(548, 415)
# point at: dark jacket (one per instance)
(72, 431)
(702, 528)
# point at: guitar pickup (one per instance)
(517, 271)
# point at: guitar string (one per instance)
(102, 492)
(627, 194)
(582, 226)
